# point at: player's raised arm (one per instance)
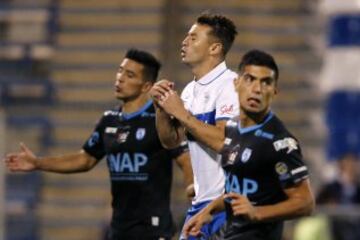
(210, 135)
(25, 160)
(170, 132)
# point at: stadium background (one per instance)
(58, 60)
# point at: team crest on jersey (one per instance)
(246, 155)
(288, 143)
(122, 137)
(140, 133)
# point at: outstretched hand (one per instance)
(194, 225)
(22, 161)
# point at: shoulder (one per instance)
(231, 126)
(227, 79)
(233, 122)
(225, 86)
(282, 138)
(111, 112)
(230, 74)
(187, 89)
(277, 127)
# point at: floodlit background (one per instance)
(58, 60)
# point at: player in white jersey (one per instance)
(201, 112)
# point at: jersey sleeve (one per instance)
(289, 164)
(227, 105)
(186, 95)
(94, 145)
(175, 152)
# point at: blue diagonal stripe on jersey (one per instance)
(208, 118)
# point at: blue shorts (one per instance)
(218, 220)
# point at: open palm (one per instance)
(24, 160)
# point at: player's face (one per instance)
(195, 47)
(129, 82)
(256, 88)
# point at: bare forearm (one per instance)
(170, 134)
(184, 163)
(70, 163)
(301, 203)
(284, 210)
(215, 206)
(210, 135)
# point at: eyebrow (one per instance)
(264, 78)
(127, 71)
(268, 78)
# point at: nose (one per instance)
(118, 79)
(256, 86)
(185, 41)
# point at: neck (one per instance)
(130, 106)
(203, 68)
(248, 119)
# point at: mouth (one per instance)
(254, 101)
(117, 89)
(183, 52)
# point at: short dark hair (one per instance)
(259, 58)
(222, 28)
(150, 63)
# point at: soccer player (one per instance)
(266, 179)
(201, 112)
(140, 168)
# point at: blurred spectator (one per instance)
(340, 77)
(342, 191)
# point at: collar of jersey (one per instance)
(252, 128)
(213, 74)
(128, 116)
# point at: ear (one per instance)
(276, 91)
(147, 86)
(215, 48)
(236, 81)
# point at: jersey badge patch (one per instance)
(123, 137)
(227, 109)
(140, 133)
(246, 155)
(110, 130)
(232, 157)
(288, 143)
(227, 141)
(260, 133)
(281, 168)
